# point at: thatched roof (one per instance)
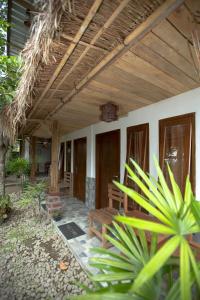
(82, 54)
(35, 54)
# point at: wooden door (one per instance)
(80, 168)
(107, 164)
(138, 150)
(177, 148)
(68, 156)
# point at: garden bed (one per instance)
(30, 256)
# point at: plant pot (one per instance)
(57, 218)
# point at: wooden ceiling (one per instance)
(101, 67)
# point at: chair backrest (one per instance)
(68, 182)
(68, 179)
(115, 195)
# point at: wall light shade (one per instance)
(109, 112)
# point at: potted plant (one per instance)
(20, 167)
(57, 215)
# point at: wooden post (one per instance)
(33, 158)
(55, 144)
(22, 148)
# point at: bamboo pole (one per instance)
(69, 51)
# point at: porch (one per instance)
(75, 211)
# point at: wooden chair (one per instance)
(104, 216)
(68, 183)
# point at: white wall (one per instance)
(184, 103)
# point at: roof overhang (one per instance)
(121, 51)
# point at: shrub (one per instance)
(32, 196)
(141, 271)
(19, 167)
(5, 207)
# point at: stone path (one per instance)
(30, 254)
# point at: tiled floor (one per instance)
(76, 211)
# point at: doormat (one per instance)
(71, 230)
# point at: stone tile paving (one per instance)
(76, 211)
(30, 253)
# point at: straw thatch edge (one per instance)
(36, 52)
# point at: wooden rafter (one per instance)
(136, 35)
(82, 29)
(70, 38)
(96, 37)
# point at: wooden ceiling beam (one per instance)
(70, 49)
(136, 35)
(93, 41)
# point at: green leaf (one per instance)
(123, 249)
(160, 200)
(127, 242)
(113, 263)
(176, 190)
(109, 253)
(145, 225)
(156, 262)
(194, 266)
(113, 276)
(184, 271)
(142, 202)
(166, 190)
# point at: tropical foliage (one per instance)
(142, 271)
(5, 207)
(10, 65)
(32, 196)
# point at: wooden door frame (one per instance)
(173, 121)
(74, 142)
(70, 142)
(97, 153)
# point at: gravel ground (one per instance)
(30, 253)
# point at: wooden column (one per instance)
(33, 158)
(55, 144)
(22, 148)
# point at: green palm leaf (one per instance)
(156, 262)
(145, 225)
(184, 271)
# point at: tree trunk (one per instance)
(2, 166)
(3, 150)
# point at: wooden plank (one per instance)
(116, 77)
(133, 64)
(170, 36)
(70, 50)
(193, 5)
(162, 12)
(122, 93)
(104, 98)
(182, 19)
(160, 62)
(170, 54)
